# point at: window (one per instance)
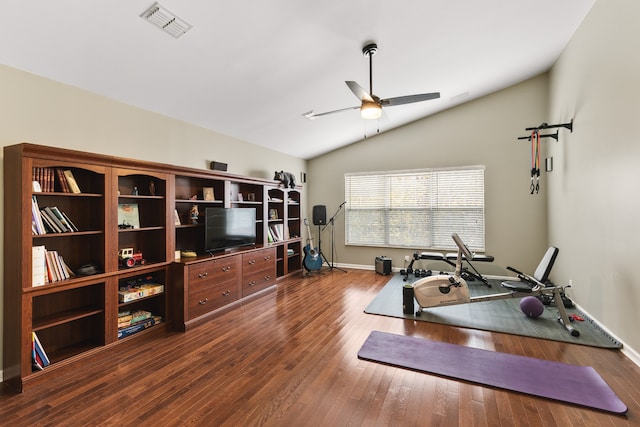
(417, 209)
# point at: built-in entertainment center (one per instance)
(101, 251)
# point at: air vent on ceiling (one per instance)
(165, 20)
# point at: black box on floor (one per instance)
(383, 265)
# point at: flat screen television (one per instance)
(227, 228)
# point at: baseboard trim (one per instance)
(628, 351)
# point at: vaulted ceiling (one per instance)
(251, 69)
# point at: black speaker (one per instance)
(319, 215)
(218, 166)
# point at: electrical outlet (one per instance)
(406, 258)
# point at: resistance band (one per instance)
(535, 161)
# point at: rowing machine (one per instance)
(442, 290)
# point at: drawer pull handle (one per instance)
(226, 293)
(267, 258)
(227, 268)
(252, 283)
(203, 275)
(203, 302)
(253, 261)
(267, 278)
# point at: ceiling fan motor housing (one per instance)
(370, 49)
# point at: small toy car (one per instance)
(128, 258)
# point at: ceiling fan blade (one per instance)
(358, 91)
(409, 99)
(312, 115)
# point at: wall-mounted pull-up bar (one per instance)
(534, 138)
(537, 130)
(546, 126)
(550, 135)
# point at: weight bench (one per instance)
(541, 275)
(450, 258)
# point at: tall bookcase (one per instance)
(121, 223)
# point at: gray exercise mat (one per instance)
(498, 316)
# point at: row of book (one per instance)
(44, 179)
(39, 356)
(48, 267)
(276, 233)
(130, 322)
(49, 219)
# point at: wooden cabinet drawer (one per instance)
(257, 281)
(208, 298)
(212, 284)
(213, 271)
(259, 260)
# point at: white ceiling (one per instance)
(250, 69)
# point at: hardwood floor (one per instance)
(290, 358)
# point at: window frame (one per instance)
(392, 208)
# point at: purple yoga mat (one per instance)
(580, 385)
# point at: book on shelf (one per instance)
(56, 219)
(49, 219)
(277, 230)
(273, 233)
(71, 181)
(51, 264)
(67, 220)
(128, 216)
(38, 266)
(62, 218)
(44, 177)
(140, 326)
(62, 179)
(37, 224)
(40, 355)
(44, 180)
(35, 359)
(49, 225)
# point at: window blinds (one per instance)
(417, 209)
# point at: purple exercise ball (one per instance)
(531, 306)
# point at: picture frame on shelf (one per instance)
(208, 194)
(251, 197)
(128, 216)
(240, 197)
(176, 217)
(273, 214)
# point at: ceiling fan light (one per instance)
(370, 110)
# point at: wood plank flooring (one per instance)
(290, 359)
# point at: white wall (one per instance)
(40, 111)
(594, 208)
(481, 132)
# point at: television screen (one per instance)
(227, 228)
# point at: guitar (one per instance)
(312, 260)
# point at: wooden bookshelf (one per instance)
(76, 314)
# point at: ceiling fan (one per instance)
(371, 105)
